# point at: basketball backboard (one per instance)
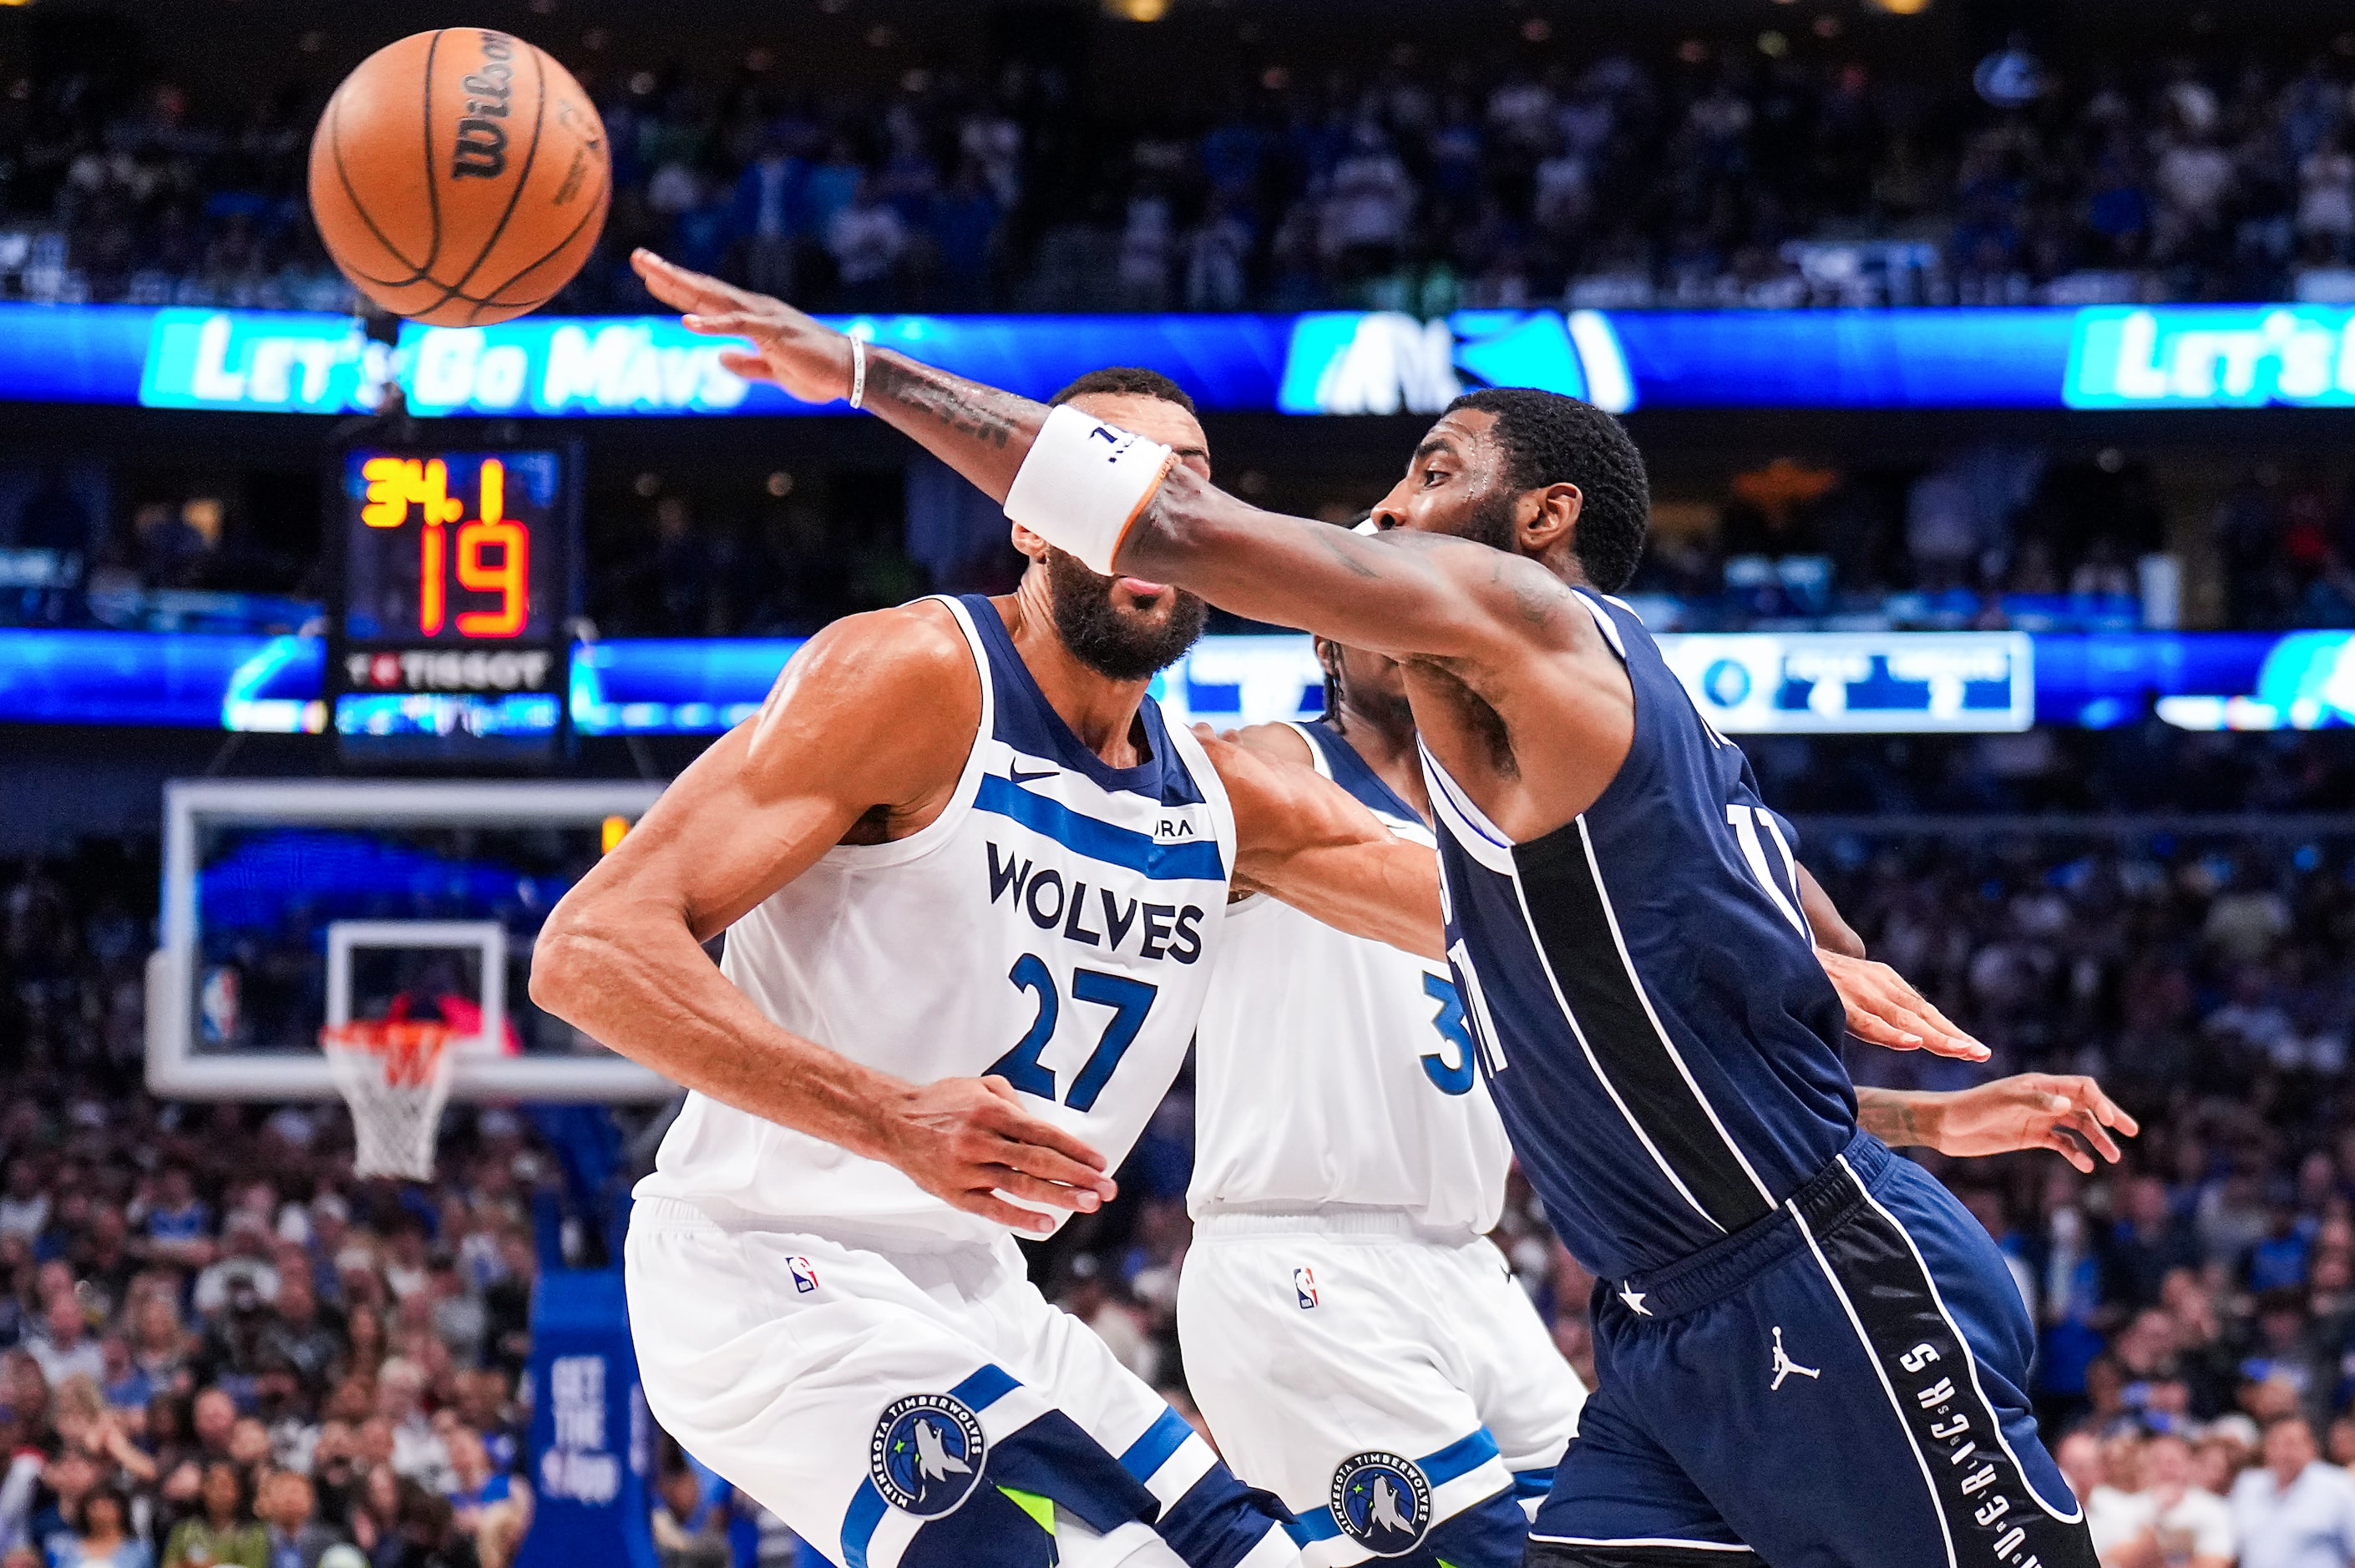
(290, 906)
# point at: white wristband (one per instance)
(858, 371)
(1084, 483)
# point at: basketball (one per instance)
(459, 177)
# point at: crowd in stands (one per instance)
(1765, 170)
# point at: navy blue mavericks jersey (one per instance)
(1655, 1025)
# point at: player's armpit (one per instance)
(1310, 843)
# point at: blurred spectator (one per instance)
(418, 1453)
(223, 1530)
(64, 1348)
(291, 1537)
(2182, 1525)
(2293, 1510)
(100, 1534)
(690, 1533)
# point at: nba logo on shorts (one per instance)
(805, 1275)
(1382, 1502)
(1303, 1285)
(926, 1455)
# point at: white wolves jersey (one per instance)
(1334, 1070)
(1055, 926)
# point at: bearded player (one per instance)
(1356, 1343)
(1808, 1349)
(972, 887)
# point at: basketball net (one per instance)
(395, 1075)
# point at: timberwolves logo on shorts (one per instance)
(1383, 1503)
(925, 1456)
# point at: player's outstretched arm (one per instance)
(2027, 1110)
(1308, 842)
(874, 717)
(1397, 592)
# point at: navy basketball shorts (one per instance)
(1840, 1385)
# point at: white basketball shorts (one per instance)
(1395, 1391)
(920, 1409)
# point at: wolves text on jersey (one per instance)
(1053, 899)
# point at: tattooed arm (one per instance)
(1398, 592)
(2031, 1110)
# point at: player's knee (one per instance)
(1612, 1555)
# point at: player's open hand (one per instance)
(2033, 1111)
(970, 1141)
(789, 348)
(1884, 1009)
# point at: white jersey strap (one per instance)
(868, 857)
(1315, 751)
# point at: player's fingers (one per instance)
(2089, 1128)
(2076, 1115)
(1053, 1165)
(1874, 1030)
(990, 1207)
(2091, 1095)
(1017, 1183)
(726, 323)
(671, 283)
(2059, 1144)
(1928, 1012)
(745, 363)
(1010, 1122)
(1939, 1042)
(695, 290)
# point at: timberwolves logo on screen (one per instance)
(1381, 1503)
(926, 1454)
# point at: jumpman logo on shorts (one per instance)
(1784, 1366)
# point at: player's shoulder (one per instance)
(893, 679)
(1277, 740)
(908, 649)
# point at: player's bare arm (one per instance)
(1490, 633)
(862, 741)
(2029, 1110)
(1306, 840)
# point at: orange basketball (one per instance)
(459, 177)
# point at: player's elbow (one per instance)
(564, 957)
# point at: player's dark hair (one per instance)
(1553, 439)
(1332, 687)
(1125, 380)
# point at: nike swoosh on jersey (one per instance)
(1015, 774)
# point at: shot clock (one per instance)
(451, 637)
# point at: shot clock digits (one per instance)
(493, 552)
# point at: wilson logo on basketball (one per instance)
(481, 150)
(459, 177)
